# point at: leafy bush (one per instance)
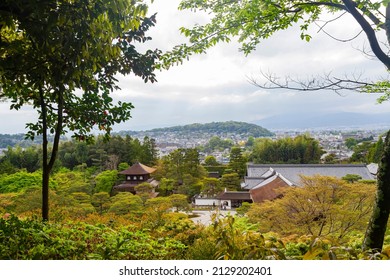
(29, 239)
(105, 181)
(125, 203)
(21, 180)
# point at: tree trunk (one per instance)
(45, 168)
(47, 165)
(45, 193)
(376, 229)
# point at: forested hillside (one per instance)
(217, 128)
(11, 140)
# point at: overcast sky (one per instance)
(215, 86)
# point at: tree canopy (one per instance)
(61, 57)
(301, 149)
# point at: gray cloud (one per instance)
(215, 87)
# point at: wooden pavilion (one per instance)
(134, 175)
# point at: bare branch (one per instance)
(314, 83)
(331, 20)
(337, 39)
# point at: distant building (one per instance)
(231, 199)
(225, 200)
(135, 175)
(263, 181)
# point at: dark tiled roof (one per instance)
(125, 187)
(138, 169)
(292, 172)
(235, 196)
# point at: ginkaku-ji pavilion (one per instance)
(134, 175)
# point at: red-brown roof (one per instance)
(138, 169)
(269, 191)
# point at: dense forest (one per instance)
(214, 128)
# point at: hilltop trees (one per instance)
(49, 49)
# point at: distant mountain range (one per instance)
(229, 127)
(327, 121)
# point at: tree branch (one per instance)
(313, 84)
(383, 57)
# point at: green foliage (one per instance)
(117, 152)
(249, 21)
(217, 144)
(179, 201)
(156, 209)
(367, 151)
(6, 167)
(211, 187)
(10, 140)
(71, 181)
(351, 143)
(105, 181)
(126, 203)
(381, 87)
(330, 158)
(28, 158)
(44, 64)
(361, 152)
(28, 201)
(224, 240)
(351, 178)
(83, 66)
(253, 21)
(244, 208)
(166, 186)
(231, 182)
(29, 239)
(376, 151)
(220, 169)
(123, 166)
(7, 202)
(159, 204)
(101, 201)
(144, 187)
(145, 190)
(217, 128)
(183, 166)
(210, 161)
(301, 149)
(237, 162)
(191, 186)
(323, 206)
(21, 180)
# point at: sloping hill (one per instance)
(229, 127)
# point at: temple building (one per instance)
(264, 181)
(134, 175)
